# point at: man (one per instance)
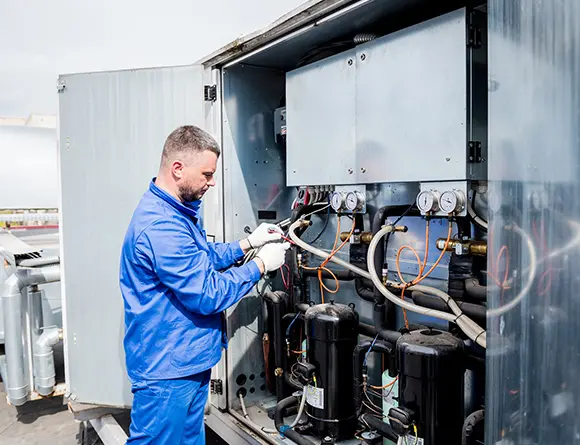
(175, 287)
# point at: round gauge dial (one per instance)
(452, 201)
(354, 201)
(427, 201)
(336, 201)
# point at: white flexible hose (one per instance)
(245, 412)
(301, 409)
(321, 253)
(468, 326)
(471, 329)
(478, 220)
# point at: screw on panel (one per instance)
(60, 86)
(349, 62)
(448, 159)
(363, 56)
(363, 170)
(350, 171)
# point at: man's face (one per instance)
(196, 176)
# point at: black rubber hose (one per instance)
(475, 311)
(384, 429)
(366, 293)
(357, 365)
(279, 414)
(475, 290)
(379, 318)
(341, 275)
(275, 302)
(377, 223)
(473, 428)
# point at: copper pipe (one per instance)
(366, 237)
(471, 247)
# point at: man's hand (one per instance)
(265, 233)
(271, 256)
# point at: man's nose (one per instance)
(211, 182)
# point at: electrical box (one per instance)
(400, 108)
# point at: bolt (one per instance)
(448, 159)
(363, 56)
(364, 170)
(349, 62)
(350, 171)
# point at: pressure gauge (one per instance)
(452, 201)
(428, 201)
(336, 201)
(354, 201)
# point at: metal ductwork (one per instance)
(17, 360)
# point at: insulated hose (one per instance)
(471, 329)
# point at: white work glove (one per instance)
(265, 233)
(273, 255)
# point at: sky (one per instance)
(41, 39)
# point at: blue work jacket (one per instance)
(175, 288)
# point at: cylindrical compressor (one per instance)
(431, 384)
(332, 336)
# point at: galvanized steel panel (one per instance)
(112, 129)
(393, 110)
(320, 116)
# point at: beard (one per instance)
(189, 194)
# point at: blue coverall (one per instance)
(174, 297)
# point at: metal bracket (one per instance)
(109, 431)
(210, 93)
(60, 86)
(216, 386)
(474, 37)
(474, 154)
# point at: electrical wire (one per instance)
(323, 227)
(370, 349)
(476, 219)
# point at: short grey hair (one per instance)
(187, 140)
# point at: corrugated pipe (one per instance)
(364, 38)
(17, 386)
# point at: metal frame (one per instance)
(109, 430)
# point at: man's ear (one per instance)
(177, 169)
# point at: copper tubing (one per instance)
(478, 248)
(366, 237)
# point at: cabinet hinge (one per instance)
(473, 37)
(216, 386)
(210, 93)
(474, 152)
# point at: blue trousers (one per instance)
(169, 412)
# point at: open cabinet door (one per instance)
(112, 129)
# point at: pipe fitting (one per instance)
(17, 362)
(44, 371)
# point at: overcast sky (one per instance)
(41, 39)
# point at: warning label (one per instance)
(315, 397)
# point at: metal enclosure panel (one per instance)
(112, 129)
(411, 103)
(320, 110)
(363, 114)
(254, 180)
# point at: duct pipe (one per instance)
(44, 371)
(17, 387)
